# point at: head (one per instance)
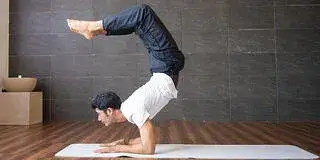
(106, 104)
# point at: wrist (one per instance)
(125, 141)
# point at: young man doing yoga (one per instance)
(166, 61)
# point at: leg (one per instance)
(142, 20)
(125, 22)
(139, 18)
(163, 51)
(165, 56)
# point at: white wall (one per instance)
(4, 39)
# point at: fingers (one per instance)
(106, 145)
(109, 149)
(120, 141)
(109, 144)
(102, 150)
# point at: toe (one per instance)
(68, 22)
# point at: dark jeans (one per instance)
(164, 54)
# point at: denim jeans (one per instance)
(164, 54)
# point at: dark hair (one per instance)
(106, 99)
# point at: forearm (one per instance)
(131, 148)
(134, 141)
(135, 148)
(145, 144)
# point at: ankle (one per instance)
(95, 26)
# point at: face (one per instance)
(105, 117)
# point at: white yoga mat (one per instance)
(198, 151)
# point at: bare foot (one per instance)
(82, 27)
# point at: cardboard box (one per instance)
(20, 108)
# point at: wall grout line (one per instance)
(229, 66)
(276, 62)
(181, 31)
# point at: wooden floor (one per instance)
(43, 141)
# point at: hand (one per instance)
(107, 149)
(117, 142)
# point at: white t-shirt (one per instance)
(149, 99)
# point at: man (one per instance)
(166, 61)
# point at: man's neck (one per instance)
(119, 116)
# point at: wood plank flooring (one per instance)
(42, 141)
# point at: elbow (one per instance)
(149, 150)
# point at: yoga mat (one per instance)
(198, 151)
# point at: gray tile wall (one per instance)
(246, 60)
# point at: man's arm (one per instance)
(125, 141)
(146, 146)
(134, 141)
